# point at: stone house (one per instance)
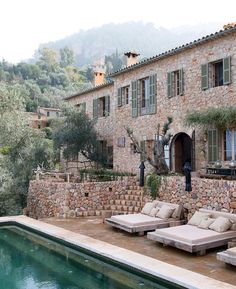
(194, 76)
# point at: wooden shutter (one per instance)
(169, 84)
(83, 107)
(107, 105)
(95, 108)
(152, 93)
(181, 82)
(226, 70)
(134, 94)
(213, 150)
(119, 97)
(205, 76)
(143, 151)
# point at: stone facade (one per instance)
(68, 200)
(206, 193)
(189, 60)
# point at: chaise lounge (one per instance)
(154, 215)
(228, 256)
(206, 229)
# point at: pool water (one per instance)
(29, 261)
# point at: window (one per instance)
(101, 106)
(144, 92)
(81, 107)
(175, 83)
(123, 96)
(216, 73)
(143, 95)
(230, 145)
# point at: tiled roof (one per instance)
(229, 28)
(90, 89)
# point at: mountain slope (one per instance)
(93, 44)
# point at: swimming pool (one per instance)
(31, 261)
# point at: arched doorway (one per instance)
(181, 151)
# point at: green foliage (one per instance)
(22, 150)
(75, 132)
(102, 175)
(47, 81)
(153, 182)
(220, 117)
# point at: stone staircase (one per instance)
(128, 201)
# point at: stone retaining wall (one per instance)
(206, 193)
(54, 199)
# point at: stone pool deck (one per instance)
(206, 265)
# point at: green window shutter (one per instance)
(169, 84)
(134, 94)
(119, 97)
(204, 75)
(83, 107)
(107, 105)
(95, 108)
(181, 82)
(213, 149)
(226, 70)
(152, 93)
(143, 151)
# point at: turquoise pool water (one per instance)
(28, 261)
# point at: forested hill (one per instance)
(91, 45)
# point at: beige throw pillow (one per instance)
(153, 212)
(205, 223)
(165, 212)
(197, 217)
(147, 208)
(220, 225)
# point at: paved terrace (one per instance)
(207, 265)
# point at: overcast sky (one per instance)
(24, 24)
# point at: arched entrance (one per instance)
(181, 151)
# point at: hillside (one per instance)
(91, 45)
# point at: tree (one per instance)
(75, 133)
(66, 57)
(22, 150)
(162, 139)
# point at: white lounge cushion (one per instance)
(197, 217)
(165, 212)
(221, 224)
(154, 212)
(147, 208)
(134, 220)
(205, 223)
(232, 251)
(193, 235)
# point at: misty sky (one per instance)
(27, 23)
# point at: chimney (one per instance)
(131, 57)
(230, 25)
(99, 77)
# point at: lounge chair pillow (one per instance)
(233, 226)
(177, 212)
(147, 208)
(220, 225)
(165, 212)
(197, 217)
(153, 212)
(205, 223)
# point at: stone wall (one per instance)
(206, 193)
(54, 199)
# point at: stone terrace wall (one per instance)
(206, 193)
(54, 199)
